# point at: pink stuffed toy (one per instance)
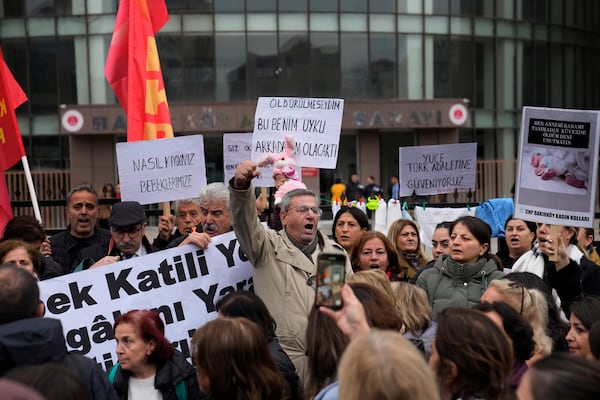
(284, 166)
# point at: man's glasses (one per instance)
(304, 209)
(132, 233)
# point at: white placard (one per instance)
(557, 166)
(437, 169)
(182, 283)
(153, 171)
(237, 147)
(314, 123)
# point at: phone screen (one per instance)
(331, 274)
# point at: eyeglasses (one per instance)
(305, 209)
(132, 233)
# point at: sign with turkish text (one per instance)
(182, 284)
(154, 171)
(437, 169)
(314, 123)
(237, 147)
(557, 166)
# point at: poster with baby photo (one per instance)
(557, 166)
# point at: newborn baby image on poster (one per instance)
(557, 166)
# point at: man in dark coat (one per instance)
(28, 339)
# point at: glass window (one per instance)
(323, 5)
(171, 62)
(353, 5)
(294, 64)
(49, 152)
(262, 64)
(198, 68)
(381, 6)
(410, 66)
(382, 66)
(441, 7)
(13, 8)
(230, 55)
(42, 75)
(453, 67)
(260, 5)
(292, 5)
(325, 65)
(229, 5)
(67, 82)
(556, 75)
(191, 5)
(15, 56)
(354, 65)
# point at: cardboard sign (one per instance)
(437, 169)
(153, 171)
(182, 284)
(314, 123)
(557, 166)
(237, 147)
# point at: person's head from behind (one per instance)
(25, 228)
(380, 310)
(82, 210)
(374, 251)
(440, 240)
(584, 313)
(19, 295)
(529, 303)
(22, 254)
(141, 341)
(585, 237)
(53, 381)
(348, 224)
(473, 362)
(243, 303)
(233, 361)
(12, 390)
(127, 222)
(404, 233)
(520, 235)
(469, 239)
(214, 206)
(376, 278)
(300, 214)
(325, 343)
(561, 376)
(384, 365)
(187, 214)
(413, 307)
(516, 327)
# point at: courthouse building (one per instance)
(404, 67)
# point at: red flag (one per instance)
(133, 69)
(5, 209)
(11, 96)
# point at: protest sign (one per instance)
(557, 166)
(314, 123)
(153, 171)
(437, 169)
(237, 147)
(182, 284)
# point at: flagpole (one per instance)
(34, 201)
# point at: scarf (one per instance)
(533, 261)
(306, 249)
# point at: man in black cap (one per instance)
(127, 223)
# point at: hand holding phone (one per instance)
(331, 275)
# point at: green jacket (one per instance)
(451, 284)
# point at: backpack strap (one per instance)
(112, 373)
(181, 390)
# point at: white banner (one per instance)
(314, 123)
(182, 284)
(557, 166)
(153, 171)
(437, 169)
(237, 147)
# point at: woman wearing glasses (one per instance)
(530, 304)
(460, 278)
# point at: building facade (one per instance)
(397, 63)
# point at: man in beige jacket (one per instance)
(284, 261)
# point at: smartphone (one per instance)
(331, 275)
